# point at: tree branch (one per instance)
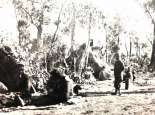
(147, 11)
(150, 41)
(29, 16)
(151, 17)
(55, 33)
(127, 52)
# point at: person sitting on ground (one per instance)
(101, 74)
(104, 74)
(59, 86)
(76, 89)
(26, 88)
(26, 85)
(88, 75)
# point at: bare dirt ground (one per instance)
(97, 100)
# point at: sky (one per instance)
(131, 14)
(8, 22)
(132, 17)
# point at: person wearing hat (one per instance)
(118, 68)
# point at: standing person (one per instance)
(118, 68)
(126, 78)
(133, 74)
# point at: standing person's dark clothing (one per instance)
(118, 68)
(126, 78)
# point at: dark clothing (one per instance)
(118, 68)
(25, 86)
(133, 74)
(117, 84)
(58, 87)
(127, 85)
(126, 78)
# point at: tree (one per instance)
(34, 12)
(73, 24)
(23, 33)
(131, 39)
(149, 7)
(113, 30)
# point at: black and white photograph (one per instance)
(77, 57)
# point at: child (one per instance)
(126, 78)
(133, 74)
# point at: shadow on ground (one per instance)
(107, 93)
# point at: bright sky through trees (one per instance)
(132, 17)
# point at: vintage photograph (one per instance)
(77, 57)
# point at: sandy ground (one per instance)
(97, 100)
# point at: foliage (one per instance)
(54, 22)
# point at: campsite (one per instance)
(93, 57)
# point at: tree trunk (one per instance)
(106, 51)
(137, 48)
(118, 40)
(88, 43)
(152, 63)
(54, 38)
(72, 38)
(106, 55)
(40, 30)
(106, 42)
(39, 33)
(130, 48)
(20, 38)
(127, 53)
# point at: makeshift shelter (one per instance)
(9, 69)
(97, 63)
(94, 61)
(3, 88)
